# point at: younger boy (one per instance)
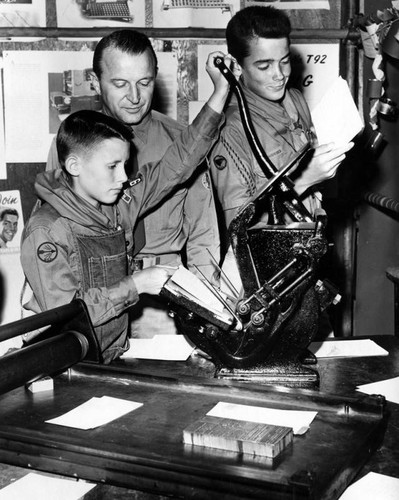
(79, 243)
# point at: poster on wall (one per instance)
(22, 13)
(193, 13)
(314, 67)
(291, 4)
(3, 166)
(11, 274)
(97, 13)
(41, 88)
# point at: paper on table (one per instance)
(33, 486)
(163, 347)
(95, 412)
(388, 388)
(346, 348)
(298, 420)
(336, 117)
(373, 486)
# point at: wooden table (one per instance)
(139, 457)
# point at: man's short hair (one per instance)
(129, 41)
(255, 22)
(8, 211)
(83, 130)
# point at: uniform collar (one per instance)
(140, 130)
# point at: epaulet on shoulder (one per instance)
(167, 120)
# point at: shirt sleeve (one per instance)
(201, 226)
(47, 267)
(180, 160)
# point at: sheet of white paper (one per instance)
(164, 347)
(95, 412)
(388, 388)
(373, 486)
(196, 287)
(336, 117)
(298, 420)
(346, 348)
(38, 487)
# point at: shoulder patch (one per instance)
(126, 196)
(220, 162)
(47, 252)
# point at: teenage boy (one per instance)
(259, 39)
(79, 243)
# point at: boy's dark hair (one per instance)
(8, 211)
(255, 22)
(129, 41)
(83, 130)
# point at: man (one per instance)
(185, 225)
(8, 226)
(258, 38)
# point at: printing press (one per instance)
(277, 313)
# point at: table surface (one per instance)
(338, 376)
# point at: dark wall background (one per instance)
(378, 230)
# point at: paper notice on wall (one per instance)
(11, 274)
(40, 89)
(3, 166)
(119, 14)
(193, 13)
(291, 4)
(22, 13)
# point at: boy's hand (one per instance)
(324, 164)
(152, 279)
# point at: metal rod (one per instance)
(219, 297)
(232, 287)
(52, 317)
(45, 358)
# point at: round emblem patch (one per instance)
(220, 162)
(47, 252)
